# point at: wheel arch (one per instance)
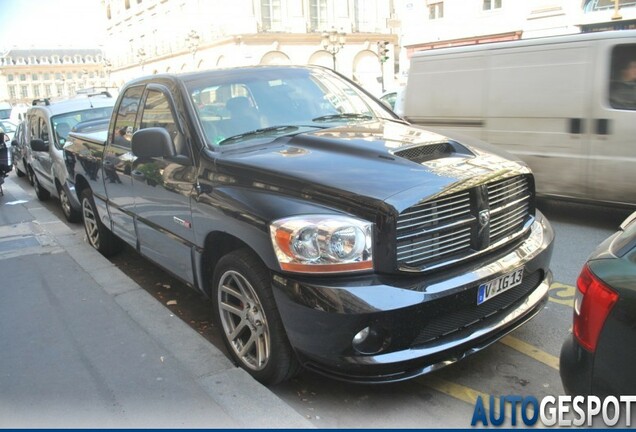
(218, 244)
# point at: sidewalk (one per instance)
(83, 346)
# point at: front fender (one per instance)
(246, 215)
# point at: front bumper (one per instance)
(419, 323)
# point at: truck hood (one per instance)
(385, 161)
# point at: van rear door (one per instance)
(613, 130)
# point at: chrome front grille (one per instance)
(509, 202)
(463, 224)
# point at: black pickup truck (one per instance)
(329, 233)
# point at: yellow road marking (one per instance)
(562, 294)
(531, 351)
(456, 391)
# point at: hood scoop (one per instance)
(427, 152)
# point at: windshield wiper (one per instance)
(343, 116)
(256, 132)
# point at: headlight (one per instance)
(322, 244)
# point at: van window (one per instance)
(622, 93)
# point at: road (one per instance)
(524, 363)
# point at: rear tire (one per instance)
(246, 313)
(97, 234)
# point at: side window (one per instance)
(622, 86)
(34, 127)
(126, 115)
(157, 113)
(44, 130)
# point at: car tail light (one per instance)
(593, 302)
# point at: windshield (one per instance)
(240, 107)
(63, 124)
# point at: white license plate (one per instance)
(495, 287)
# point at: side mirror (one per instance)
(14, 143)
(152, 143)
(39, 145)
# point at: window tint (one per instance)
(126, 114)
(157, 113)
(44, 130)
(622, 86)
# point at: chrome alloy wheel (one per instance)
(243, 320)
(90, 223)
(65, 202)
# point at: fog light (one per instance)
(370, 340)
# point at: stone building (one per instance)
(431, 24)
(157, 36)
(27, 74)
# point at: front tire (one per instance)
(246, 313)
(40, 192)
(70, 213)
(97, 234)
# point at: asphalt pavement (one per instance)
(83, 346)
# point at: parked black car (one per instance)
(328, 232)
(597, 359)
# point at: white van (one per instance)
(566, 105)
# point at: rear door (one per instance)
(612, 169)
(163, 188)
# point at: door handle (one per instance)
(602, 127)
(576, 125)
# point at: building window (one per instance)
(60, 89)
(271, 14)
(22, 77)
(47, 90)
(364, 14)
(318, 14)
(47, 76)
(58, 76)
(10, 77)
(492, 4)
(36, 90)
(34, 77)
(24, 91)
(69, 75)
(12, 93)
(436, 10)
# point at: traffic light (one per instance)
(383, 51)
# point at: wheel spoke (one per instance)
(233, 292)
(231, 309)
(241, 325)
(248, 346)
